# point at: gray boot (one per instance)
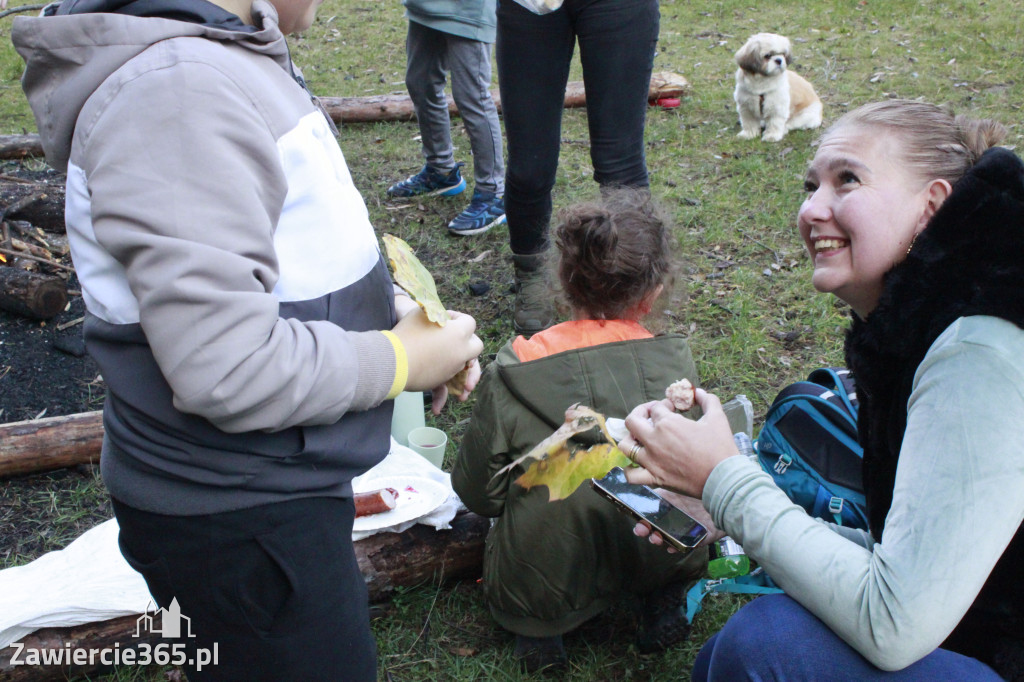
(534, 307)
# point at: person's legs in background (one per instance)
(533, 53)
(617, 43)
(469, 63)
(774, 638)
(425, 79)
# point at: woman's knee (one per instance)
(744, 648)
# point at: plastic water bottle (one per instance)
(744, 444)
(726, 559)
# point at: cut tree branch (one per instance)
(38, 445)
(376, 108)
(31, 294)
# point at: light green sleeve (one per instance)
(956, 506)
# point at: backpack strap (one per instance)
(828, 505)
(840, 381)
(755, 582)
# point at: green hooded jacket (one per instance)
(550, 566)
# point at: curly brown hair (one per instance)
(613, 253)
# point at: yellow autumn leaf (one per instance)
(578, 418)
(412, 276)
(565, 470)
(563, 467)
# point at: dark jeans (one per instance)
(276, 588)
(617, 40)
(774, 638)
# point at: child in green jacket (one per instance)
(550, 566)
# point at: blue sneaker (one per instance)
(430, 181)
(484, 212)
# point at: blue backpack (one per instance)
(808, 444)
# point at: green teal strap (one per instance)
(757, 582)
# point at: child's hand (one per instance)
(439, 395)
(403, 301)
(436, 354)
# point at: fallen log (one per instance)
(376, 108)
(107, 634)
(53, 443)
(399, 107)
(40, 203)
(20, 146)
(387, 560)
(32, 294)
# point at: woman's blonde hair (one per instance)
(934, 143)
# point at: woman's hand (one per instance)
(436, 354)
(676, 452)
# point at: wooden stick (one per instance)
(28, 256)
(21, 8)
(40, 203)
(29, 293)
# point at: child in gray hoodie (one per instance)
(249, 374)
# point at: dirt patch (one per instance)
(45, 372)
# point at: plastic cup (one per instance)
(408, 415)
(430, 443)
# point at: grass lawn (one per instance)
(744, 297)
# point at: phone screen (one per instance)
(643, 504)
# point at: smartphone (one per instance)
(678, 528)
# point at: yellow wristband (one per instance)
(401, 366)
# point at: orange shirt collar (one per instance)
(577, 334)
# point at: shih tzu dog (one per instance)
(770, 96)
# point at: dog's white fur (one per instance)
(769, 95)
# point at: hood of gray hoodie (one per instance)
(72, 47)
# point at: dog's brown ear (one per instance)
(748, 57)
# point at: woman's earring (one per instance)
(912, 242)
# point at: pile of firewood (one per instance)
(34, 261)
